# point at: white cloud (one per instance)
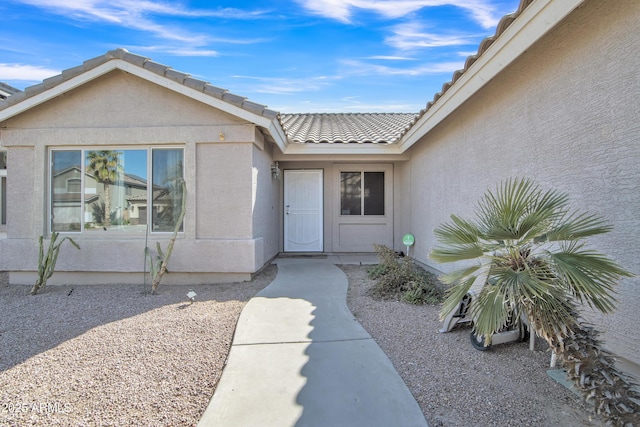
(136, 14)
(391, 58)
(175, 50)
(383, 107)
(481, 11)
(286, 86)
(363, 68)
(19, 72)
(411, 36)
(345, 105)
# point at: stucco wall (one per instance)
(122, 110)
(402, 205)
(119, 99)
(565, 114)
(265, 203)
(223, 177)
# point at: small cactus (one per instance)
(47, 263)
(158, 263)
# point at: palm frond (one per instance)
(459, 232)
(544, 210)
(490, 312)
(575, 226)
(500, 213)
(453, 253)
(534, 293)
(552, 317)
(590, 276)
(454, 295)
(459, 275)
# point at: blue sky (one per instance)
(293, 56)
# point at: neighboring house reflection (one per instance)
(128, 199)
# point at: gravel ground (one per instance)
(456, 385)
(108, 355)
(111, 356)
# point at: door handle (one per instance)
(286, 210)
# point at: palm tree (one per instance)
(106, 168)
(527, 251)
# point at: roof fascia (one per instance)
(341, 149)
(264, 122)
(350, 158)
(270, 124)
(532, 24)
(56, 90)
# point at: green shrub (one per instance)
(421, 293)
(376, 271)
(400, 278)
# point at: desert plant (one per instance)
(531, 260)
(47, 263)
(158, 263)
(422, 292)
(376, 271)
(400, 277)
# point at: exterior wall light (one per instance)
(275, 171)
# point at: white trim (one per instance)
(57, 90)
(3, 196)
(381, 226)
(148, 148)
(119, 64)
(342, 149)
(212, 101)
(351, 158)
(532, 24)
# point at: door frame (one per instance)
(320, 182)
(370, 229)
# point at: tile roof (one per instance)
(346, 128)
(376, 128)
(6, 90)
(148, 64)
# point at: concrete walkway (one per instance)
(299, 358)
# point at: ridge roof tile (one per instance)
(147, 64)
(176, 76)
(503, 24)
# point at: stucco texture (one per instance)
(118, 110)
(564, 114)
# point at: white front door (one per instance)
(303, 211)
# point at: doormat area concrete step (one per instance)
(306, 256)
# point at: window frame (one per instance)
(3, 189)
(362, 171)
(149, 179)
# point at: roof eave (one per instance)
(327, 149)
(532, 24)
(270, 123)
